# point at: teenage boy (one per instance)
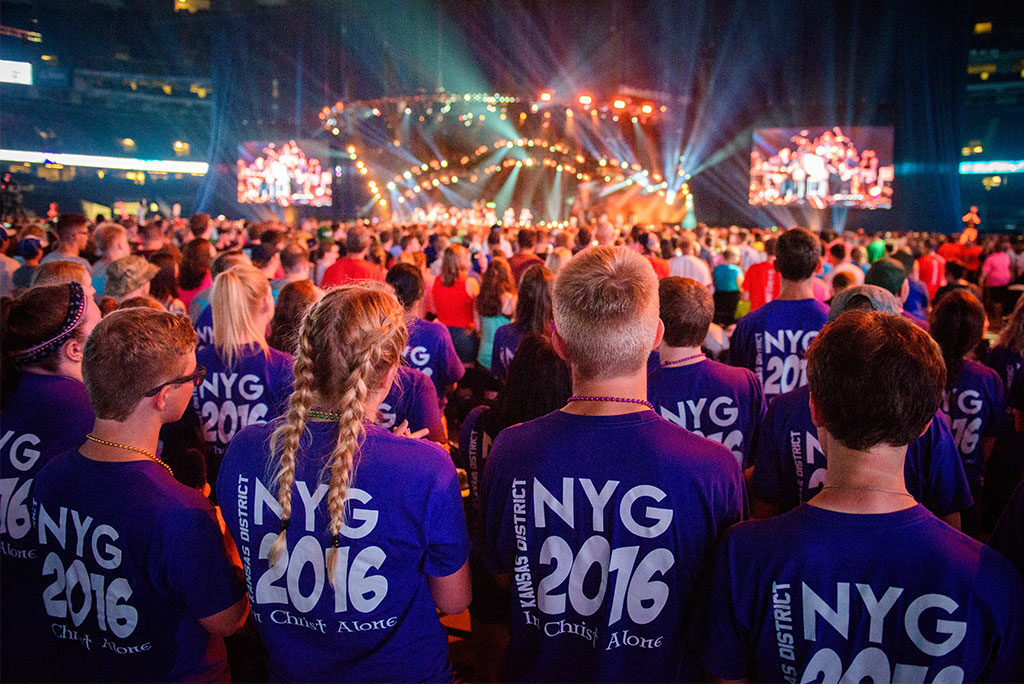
(72, 238)
(720, 402)
(862, 582)
(771, 340)
(137, 585)
(603, 513)
(790, 466)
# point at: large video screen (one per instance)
(282, 173)
(822, 167)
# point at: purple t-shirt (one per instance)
(256, 389)
(974, 409)
(412, 398)
(204, 326)
(789, 466)
(604, 523)
(720, 402)
(430, 350)
(772, 339)
(404, 521)
(506, 342)
(814, 595)
(45, 416)
(131, 561)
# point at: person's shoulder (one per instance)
(980, 370)
(734, 375)
(406, 454)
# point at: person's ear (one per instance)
(162, 398)
(659, 334)
(73, 350)
(815, 413)
(559, 344)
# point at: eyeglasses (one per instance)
(196, 377)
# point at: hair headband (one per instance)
(75, 314)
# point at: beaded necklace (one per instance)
(683, 360)
(324, 414)
(147, 454)
(618, 400)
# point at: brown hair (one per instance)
(349, 342)
(144, 301)
(686, 309)
(197, 255)
(958, 324)
(606, 311)
(1012, 334)
(130, 352)
(875, 378)
(454, 264)
(496, 282)
(534, 311)
(31, 319)
(797, 253)
(292, 304)
(59, 272)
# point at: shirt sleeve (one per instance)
(997, 405)
(495, 504)
(724, 644)
(758, 409)
(427, 413)
(944, 489)
(739, 352)
(447, 538)
(195, 564)
(449, 364)
(774, 479)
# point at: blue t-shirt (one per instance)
(430, 350)
(726, 277)
(45, 416)
(404, 521)
(204, 326)
(604, 523)
(412, 398)
(974, 409)
(816, 595)
(1008, 363)
(917, 299)
(488, 328)
(506, 342)
(713, 400)
(131, 561)
(772, 339)
(789, 466)
(256, 389)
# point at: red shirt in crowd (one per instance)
(521, 261)
(349, 270)
(454, 304)
(972, 257)
(951, 251)
(931, 270)
(762, 282)
(661, 267)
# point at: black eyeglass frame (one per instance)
(195, 377)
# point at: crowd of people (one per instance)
(632, 453)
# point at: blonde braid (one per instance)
(287, 436)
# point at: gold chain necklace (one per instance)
(126, 447)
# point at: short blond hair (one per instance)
(606, 311)
(106, 234)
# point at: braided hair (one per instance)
(348, 344)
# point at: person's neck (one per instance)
(65, 369)
(793, 290)
(297, 276)
(632, 386)
(863, 481)
(669, 354)
(361, 256)
(140, 432)
(69, 249)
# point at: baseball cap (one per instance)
(127, 274)
(879, 299)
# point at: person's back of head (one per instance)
(538, 383)
(770, 245)
(906, 260)
(37, 325)
(107, 237)
(686, 309)
(534, 309)
(197, 255)
(226, 260)
(686, 247)
(557, 258)
(357, 240)
(497, 281)
(841, 281)
(837, 252)
(525, 238)
(958, 325)
(875, 379)
(164, 285)
(241, 299)
(797, 254)
(407, 282)
(954, 270)
(142, 300)
(198, 225)
(606, 312)
(454, 264)
(292, 304)
(349, 344)
(887, 274)
(131, 352)
(59, 272)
